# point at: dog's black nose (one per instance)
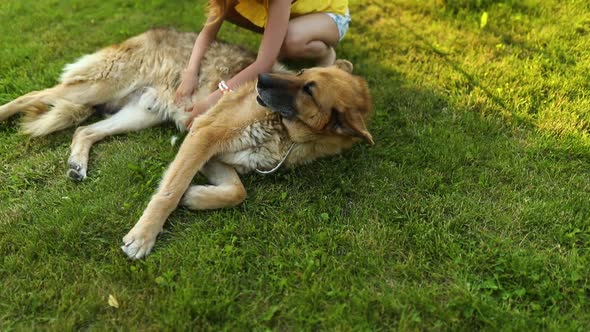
(264, 80)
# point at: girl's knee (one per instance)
(294, 45)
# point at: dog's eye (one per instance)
(308, 87)
(299, 73)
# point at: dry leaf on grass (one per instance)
(113, 301)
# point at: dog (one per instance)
(283, 118)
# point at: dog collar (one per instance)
(279, 164)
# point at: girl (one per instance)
(294, 29)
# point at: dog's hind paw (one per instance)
(76, 172)
(137, 245)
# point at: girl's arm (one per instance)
(275, 31)
(191, 73)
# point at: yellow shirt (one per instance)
(255, 11)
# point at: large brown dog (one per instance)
(282, 117)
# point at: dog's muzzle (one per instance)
(273, 93)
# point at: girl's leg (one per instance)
(311, 36)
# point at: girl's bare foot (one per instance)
(328, 59)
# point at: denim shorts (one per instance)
(342, 22)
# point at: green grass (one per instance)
(471, 212)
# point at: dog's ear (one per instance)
(352, 123)
(344, 65)
(349, 118)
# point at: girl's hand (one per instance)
(186, 88)
(197, 109)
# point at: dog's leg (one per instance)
(227, 189)
(198, 147)
(132, 117)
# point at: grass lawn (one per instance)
(471, 212)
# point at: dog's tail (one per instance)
(42, 119)
(48, 110)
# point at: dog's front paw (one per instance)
(139, 242)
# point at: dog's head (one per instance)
(327, 101)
